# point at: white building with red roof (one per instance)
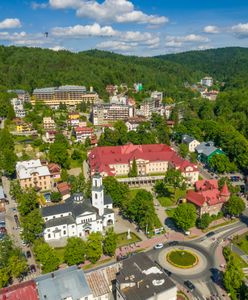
(83, 132)
(207, 197)
(151, 159)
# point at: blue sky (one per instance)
(140, 27)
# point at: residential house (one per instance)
(140, 278)
(207, 81)
(50, 136)
(149, 106)
(64, 189)
(18, 107)
(79, 216)
(73, 119)
(66, 284)
(206, 150)
(82, 133)
(207, 197)
(54, 170)
(32, 174)
(22, 291)
(112, 89)
(191, 142)
(23, 127)
(150, 159)
(49, 123)
(134, 122)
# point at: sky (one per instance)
(132, 27)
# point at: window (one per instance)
(64, 226)
(61, 215)
(95, 196)
(95, 182)
(49, 235)
(64, 232)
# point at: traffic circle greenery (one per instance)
(181, 258)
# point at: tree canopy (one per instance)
(185, 216)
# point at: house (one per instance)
(73, 119)
(32, 174)
(23, 127)
(49, 123)
(78, 216)
(150, 159)
(25, 290)
(83, 132)
(18, 107)
(2, 199)
(207, 197)
(191, 142)
(64, 189)
(66, 284)
(207, 81)
(50, 136)
(140, 278)
(54, 170)
(206, 150)
(111, 89)
(134, 122)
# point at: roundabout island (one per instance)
(183, 259)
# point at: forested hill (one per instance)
(28, 68)
(224, 64)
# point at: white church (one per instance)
(78, 216)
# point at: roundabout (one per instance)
(183, 259)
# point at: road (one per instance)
(207, 247)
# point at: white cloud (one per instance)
(57, 48)
(193, 38)
(211, 29)
(10, 23)
(173, 44)
(116, 45)
(86, 30)
(177, 41)
(36, 5)
(120, 11)
(241, 30)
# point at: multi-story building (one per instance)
(140, 278)
(69, 94)
(21, 94)
(112, 89)
(73, 119)
(50, 136)
(32, 174)
(18, 107)
(149, 106)
(106, 113)
(207, 81)
(78, 216)
(48, 123)
(83, 132)
(133, 123)
(22, 127)
(150, 159)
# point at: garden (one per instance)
(182, 258)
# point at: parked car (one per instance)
(32, 268)
(189, 285)
(211, 233)
(158, 246)
(174, 243)
(28, 254)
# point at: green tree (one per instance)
(133, 171)
(46, 256)
(204, 221)
(15, 189)
(233, 277)
(75, 251)
(27, 201)
(4, 277)
(175, 179)
(185, 216)
(55, 196)
(94, 247)
(32, 225)
(17, 266)
(77, 183)
(183, 150)
(221, 163)
(110, 242)
(121, 130)
(64, 175)
(234, 206)
(58, 151)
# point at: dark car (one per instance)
(167, 272)
(32, 268)
(211, 233)
(174, 243)
(189, 285)
(28, 254)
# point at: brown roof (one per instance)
(98, 283)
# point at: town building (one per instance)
(73, 119)
(191, 142)
(70, 95)
(82, 133)
(207, 197)
(149, 106)
(138, 87)
(21, 95)
(112, 89)
(18, 107)
(134, 122)
(210, 95)
(78, 216)
(50, 136)
(207, 81)
(54, 170)
(66, 284)
(49, 123)
(106, 113)
(157, 95)
(206, 150)
(166, 111)
(150, 159)
(22, 291)
(64, 189)
(32, 174)
(140, 278)
(23, 127)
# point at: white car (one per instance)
(159, 246)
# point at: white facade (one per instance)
(208, 81)
(192, 145)
(18, 107)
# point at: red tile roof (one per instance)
(54, 168)
(102, 157)
(84, 130)
(23, 291)
(64, 188)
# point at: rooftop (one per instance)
(26, 290)
(206, 148)
(25, 169)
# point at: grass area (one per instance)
(171, 199)
(239, 261)
(170, 212)
(60, 253)
(182, 258)
(241, 241)
(219, 225)
(75, 163)
(123, 241)
(133, 192)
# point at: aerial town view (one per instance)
(123, 150)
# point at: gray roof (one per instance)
(206, 148)
(60, 221)
(153, 282)
(2, 196)
(187, 139)
(63, 284)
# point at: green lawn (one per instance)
(133, 192)
(242, 242)
(60, 253)
(171, 199)
(181, 258)
(170, 212)
(123, 241)
(239, 261)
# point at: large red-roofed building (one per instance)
(22, 291)
(207, 197)
(150, 159)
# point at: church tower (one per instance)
(97, 193)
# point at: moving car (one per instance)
(174, 243)
(167, 272)
(189, 285)
(211, 233)
(159, 246)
